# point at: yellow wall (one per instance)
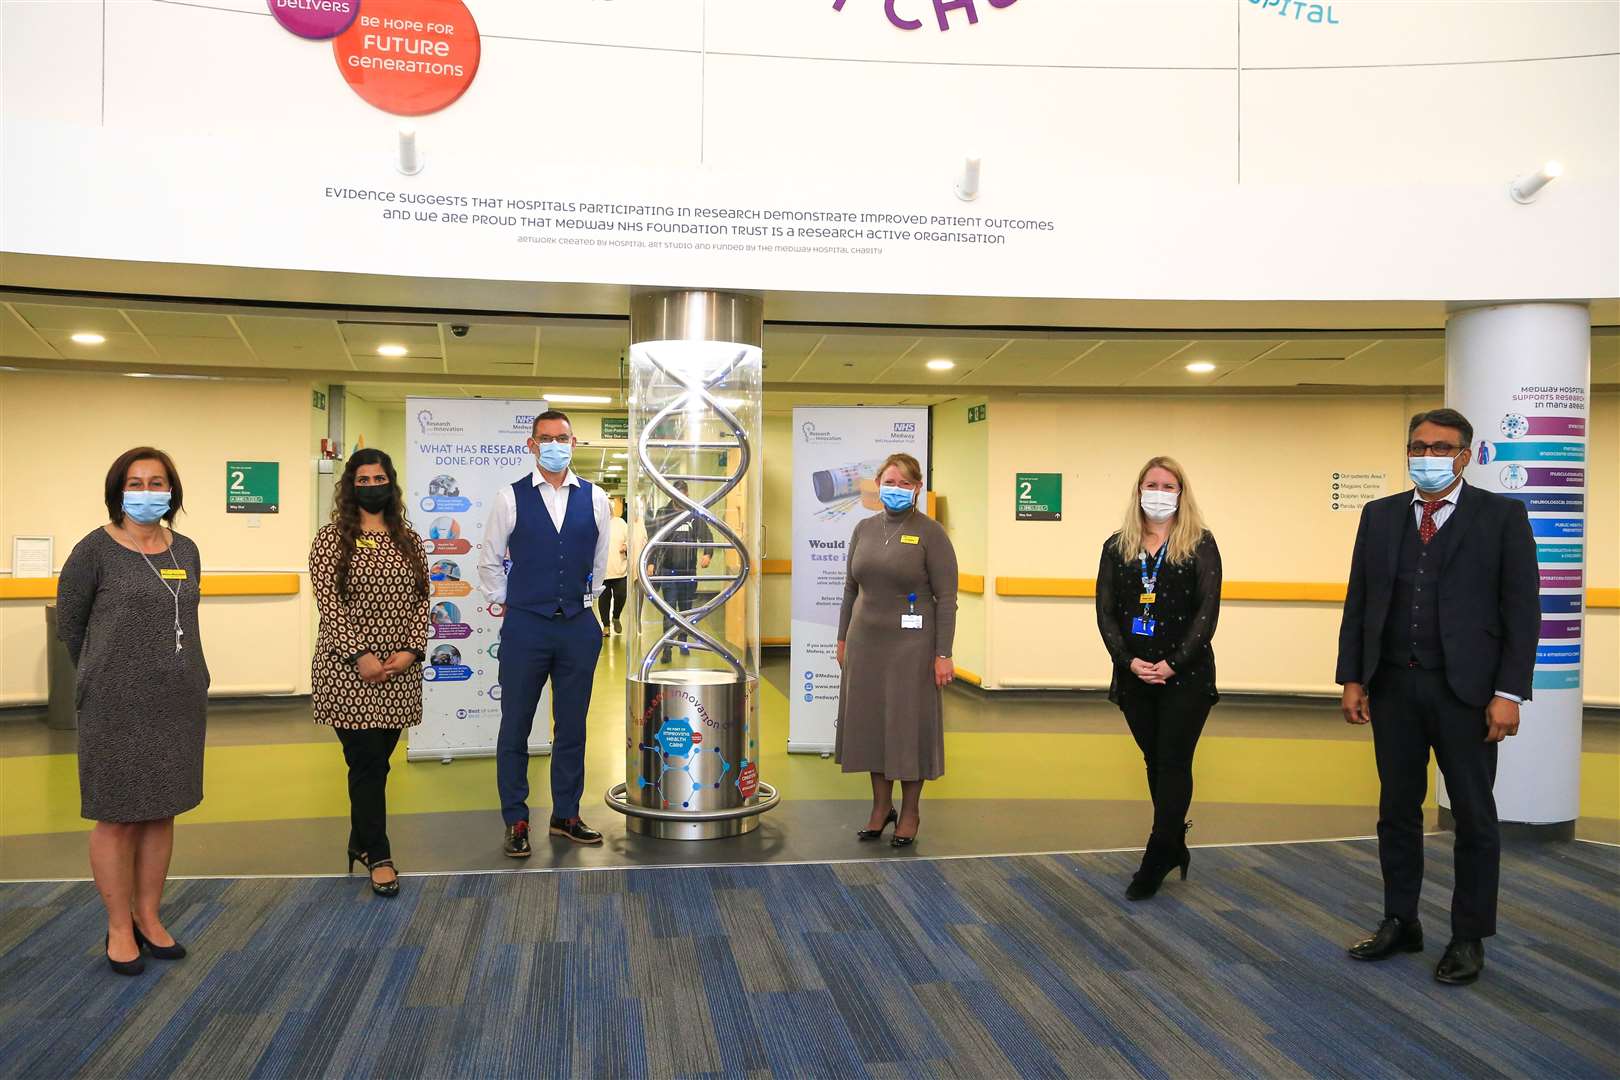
(961, 485)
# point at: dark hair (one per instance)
(550, 414)
(1450, 418)
(118, 476)
(346, 516)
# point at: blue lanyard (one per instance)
(1151, 580)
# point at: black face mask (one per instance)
(374, 498)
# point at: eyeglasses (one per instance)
(1433, 449)
(544, 440)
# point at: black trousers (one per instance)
(683, 595)
(1414, 710)
(611, 602)
(367, 751)
(1166, 722)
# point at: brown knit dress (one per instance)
(889, 710)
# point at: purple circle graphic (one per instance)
(315, 19)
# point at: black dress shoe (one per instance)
(126, 967)
(873, 834)
(176, 951)
(1392, 936)
(517, 840)
(575, 830)
(1462, 963)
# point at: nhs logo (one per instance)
(905, 427)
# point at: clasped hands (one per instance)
(1153, 674)
(373, 670)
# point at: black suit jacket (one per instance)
(1490, 594)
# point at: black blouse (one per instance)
(1187, 607)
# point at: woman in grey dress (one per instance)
(894, 644)
(127, 612)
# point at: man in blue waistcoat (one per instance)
(544, 554)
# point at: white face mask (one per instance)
(1159, 505)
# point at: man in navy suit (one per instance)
(553, 527)
(1437, 649)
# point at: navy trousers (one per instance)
(534, 649)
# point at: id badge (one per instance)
(172, 575)
(1147, 598)
(365, 542)
(909, 621)
(1143, 627)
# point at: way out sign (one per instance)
(1038, 496)
(253, 487)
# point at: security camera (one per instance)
(459, 329)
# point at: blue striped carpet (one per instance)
(1018, 966)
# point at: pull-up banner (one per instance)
(836, 455)
(460, 453)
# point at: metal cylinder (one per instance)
(691, 724)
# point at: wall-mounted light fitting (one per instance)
(967, 181)
(1525, 187)
(409, 160)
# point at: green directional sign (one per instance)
(616, 427)
(1038, 496)
(253, 487)
(976, 414)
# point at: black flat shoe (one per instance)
(873, 834)
(384, 888)
(517, 840)
(1394, 935)
(176, 951)
(576, 830)
(1462, 963)
(125, 967)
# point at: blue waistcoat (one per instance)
(550, 571)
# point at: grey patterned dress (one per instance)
(143, 706)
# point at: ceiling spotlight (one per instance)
(85, 337)
(1525, 187)
(394, 351)
(577, 399)
(941, 364)
(1200, 367)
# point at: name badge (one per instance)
(910, 621)
(910, 539)
(1147, 598)
(172, 575)
(364, 542)
(1143, 627)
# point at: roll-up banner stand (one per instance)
(836, 454)
(460, 454)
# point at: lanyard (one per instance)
(1150, 579)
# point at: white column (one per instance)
(1521, 373)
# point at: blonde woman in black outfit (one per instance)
(1158, 599)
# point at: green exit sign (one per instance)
(1038, 496)
(976, 413)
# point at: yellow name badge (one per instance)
(911, 539)
(364, 542)
(1147, 598)
(172, 575)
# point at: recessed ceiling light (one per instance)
(577, 399)
(1200, 367)
(621, 457)
(85, 337)
(941, 364)
(394, 351)
(615, 468)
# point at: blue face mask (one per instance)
(554, 457)
(897, 498)
(146, 507)
(1430, 473)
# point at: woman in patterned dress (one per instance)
(370, 576)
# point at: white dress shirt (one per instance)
(1442, 514)
(503, 519)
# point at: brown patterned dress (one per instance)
(384, 614)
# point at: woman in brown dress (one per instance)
(370, 576)
(894, 644)
(127, 611)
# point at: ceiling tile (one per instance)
(966, 353)
(1228, 355)
(201, 350)
(493, 349)
(181, 324)
(16, 339)
(852, 357)
(1113, 363)
(107, 321)
(363, 338)
(785, 350)
(1309, 347)
(127, 347)
(417, 365)
(294, 342)
(1027, 361)
(1387, 363)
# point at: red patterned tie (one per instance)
(1428, 526)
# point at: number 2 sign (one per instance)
(253, 487)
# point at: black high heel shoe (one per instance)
(381, 888)
(899, 841)
(126, 967)
(1157, 864)
(873, 834)
(176, 951)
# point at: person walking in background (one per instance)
(615, 585)
(679, 562)
(895, 633)
(1437, 649)
(553, 526)
(369, 571)
(1158, 600)
(127, 611)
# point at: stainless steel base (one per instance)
(684, 825)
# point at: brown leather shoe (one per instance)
(575, 830)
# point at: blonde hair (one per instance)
(908, 465)
(1185, 533)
